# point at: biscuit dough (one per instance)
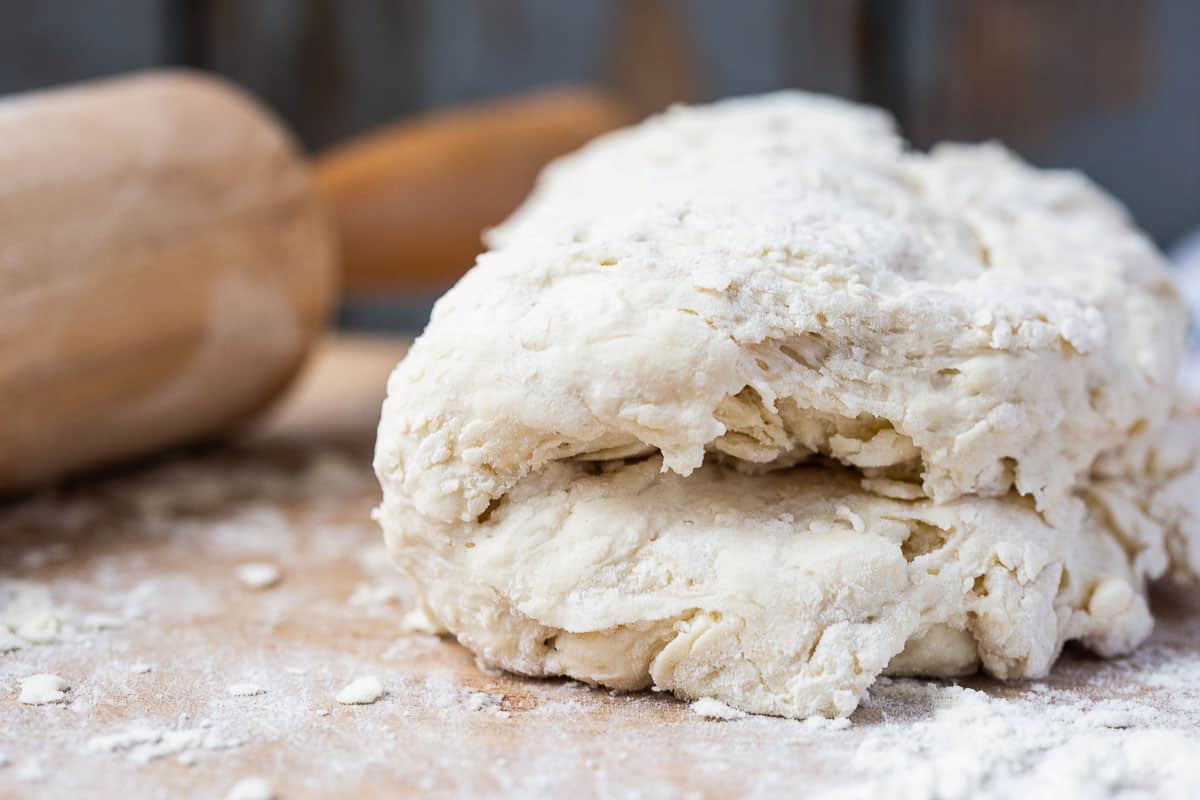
(786, 593)
(589, 459)
(777, 276)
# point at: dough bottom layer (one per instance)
(785, 593)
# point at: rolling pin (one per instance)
(167, 257)
(419, 193)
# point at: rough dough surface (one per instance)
(589, 458)
(776, 276)
(786, 593)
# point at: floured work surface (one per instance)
(207, 611)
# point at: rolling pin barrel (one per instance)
(165, 264)
(412, 199)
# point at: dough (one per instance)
(776, 276)
(749, 402)
(786, 593)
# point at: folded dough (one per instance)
(786, 593)
(589, 459)
(774, 277)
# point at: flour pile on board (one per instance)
(950, 742)
(709, 708)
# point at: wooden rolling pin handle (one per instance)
(164, 265)
(411, 200)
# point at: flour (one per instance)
(950, 742)
(245, 690)
(418, 621)
(101, 622)
(482, 701)
(413, 646)
(32, 771)
(144, 742)
(511, 737)
(373, 594)
(27, 615)
(709, 708)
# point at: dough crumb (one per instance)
(245, 690)
(251, 789)
(3, 760)
(145, 744)
(141, 668)
(40, 628)
(362, 691)
(258, 575)
(710, 708)
(39, 690)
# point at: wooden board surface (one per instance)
(155, 629)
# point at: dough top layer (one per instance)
(770, 278)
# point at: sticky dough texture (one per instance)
(588, 459)
(785, 594)
(776, 276)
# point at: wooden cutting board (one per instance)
(185, 681)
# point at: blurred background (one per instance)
(1111, 87)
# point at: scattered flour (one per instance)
(27, 615)
(374, 594)
(362, 691)
(419, 621)
(10, 641)
(32, 771)
(411, 646)
(949, 742)
(911, 740)
(251, 789)
(101, 622)
(43, 689)
(40, 628)
(482, 701)
(710, 708)
(258, 575)
(141, 600)
(145, 743)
